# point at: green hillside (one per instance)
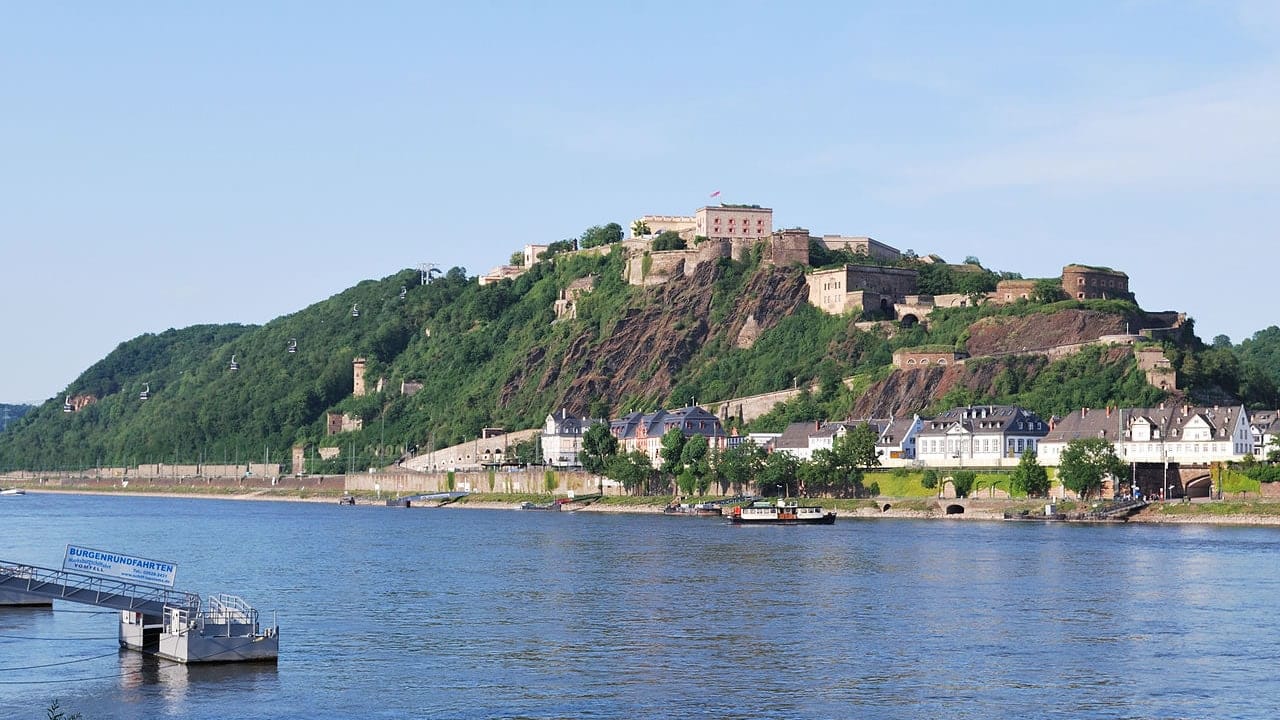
(11, 413)
(492, 356)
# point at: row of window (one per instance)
(925, 361)
(954, 446)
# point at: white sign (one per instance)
(121, 567)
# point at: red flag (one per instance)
(715, 194)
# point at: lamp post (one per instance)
(1164, 459)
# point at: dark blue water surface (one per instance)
(453, 613)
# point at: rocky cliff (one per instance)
(640, 355)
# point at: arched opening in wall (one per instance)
(886, 308)
(1198, 487)
(955, 510)
(885, 508)
(909, 320)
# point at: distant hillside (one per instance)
(497, 356)
(11, 413)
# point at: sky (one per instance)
(170, 164)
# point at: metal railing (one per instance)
(228, 609)
(93, 590)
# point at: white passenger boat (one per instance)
(782, 512)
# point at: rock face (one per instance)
(640, 355)
(1000, 335)
(908, 391)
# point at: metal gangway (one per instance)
(46, 583)
(1118, 510)
(156, 620)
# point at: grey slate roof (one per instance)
(1113, 423)
(983, 419)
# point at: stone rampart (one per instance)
(531, 480)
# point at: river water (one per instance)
(453, 613)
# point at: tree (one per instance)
(517, 258)
(633, 470)
(668, 240)
(694, 458)
(860, 446)
(1085, 462)
(598, 447)
(598, 235)
(639, 228)
(525, 452)
(963, 481)
(778, 472)
(672, 451)
(738, 465)
(1030, 477)
(1047, 290)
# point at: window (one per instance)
(1080, 281)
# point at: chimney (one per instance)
(1084, 412)
(1108, 411)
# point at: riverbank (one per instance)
(1227, 513)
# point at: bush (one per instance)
(930, 479)
(963, 481)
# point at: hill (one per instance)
(10, 413)
(445, 359)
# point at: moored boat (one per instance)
(782, 512)
(13, 491)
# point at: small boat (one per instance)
(13, 491)
(782, 512)
(566, 504)
(347, 500)
(701, 509)
(554, 505)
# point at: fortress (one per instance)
(882, 288)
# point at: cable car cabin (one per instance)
(293, 345)
(146, 391)
(355, 310)
(234, 365)
(403, 291)
(66, 405)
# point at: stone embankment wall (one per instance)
(107, 481)
(523, 481)
(753, 406)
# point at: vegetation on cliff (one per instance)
(497, 356)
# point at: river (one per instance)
(454, 613)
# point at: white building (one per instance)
(1172, 433)
(979, 435)
(562, 438)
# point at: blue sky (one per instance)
(163, 165)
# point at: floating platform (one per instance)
(225, 629)
(158, 621)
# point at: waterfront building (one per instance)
(895, 437)
(979, 435)
(1179, 433)
(644, 431)
(562, 438)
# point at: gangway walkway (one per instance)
(156, 620)
(93, 590)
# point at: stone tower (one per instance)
(357, 377)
